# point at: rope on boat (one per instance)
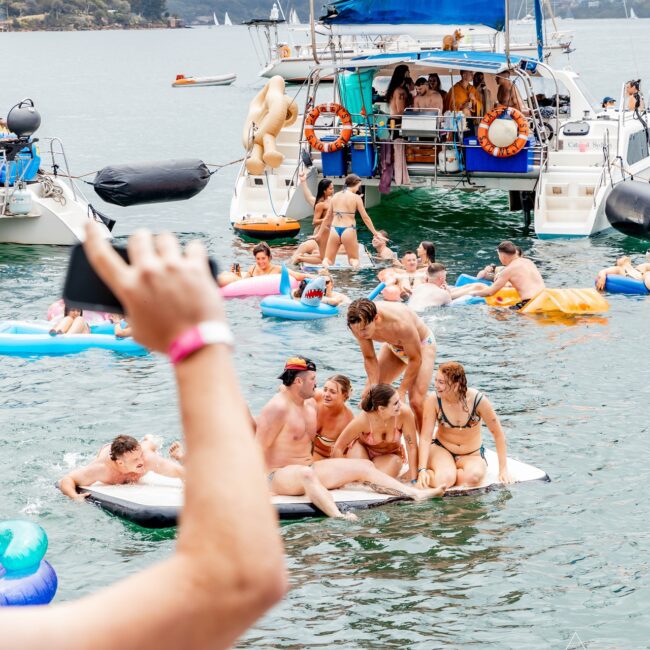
(49, 190)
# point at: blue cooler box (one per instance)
(333, 162)
(477, 160)
(363, 155)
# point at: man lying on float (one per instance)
(286, 428)
(125, 460)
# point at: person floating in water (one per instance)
(125, 460)
(409, 348)
(456, 455)
(286, 429)
(625, 268)
(520, 272)
(72, 322)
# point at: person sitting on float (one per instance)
(625, 268)
(342, 212)
(330, 297)
(72, 322)
(407, 277)
(263, 266)
(332, 416)
(456, 455)
(121, 332)
(384, 423)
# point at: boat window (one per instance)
(637, 148)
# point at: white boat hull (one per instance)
(193, 82)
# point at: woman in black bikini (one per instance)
(456, 455)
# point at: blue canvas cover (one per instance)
(416, 12)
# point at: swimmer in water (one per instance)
(120, 332)
(456, 455)
(625, 268)
(125, 460)
(380, 429)
(72, 322)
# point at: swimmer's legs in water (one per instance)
(296, 480)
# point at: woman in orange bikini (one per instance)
(379, 429)
(456, 456)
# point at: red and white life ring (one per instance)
(346, 128)
(522, 132)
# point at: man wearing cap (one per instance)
(521, 272)
(608, 102)
(286, 428)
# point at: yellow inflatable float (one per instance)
(269, 112)
(567, 301)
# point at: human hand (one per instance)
(164, 291)
(600, 282)
(80, 498)
(504, 476)
(302, 177)
(425, 479)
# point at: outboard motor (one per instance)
(23, 119)
(628, 209)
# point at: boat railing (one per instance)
(59, 161)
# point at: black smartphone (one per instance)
(84, 288)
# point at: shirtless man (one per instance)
(521, 272)
(409, 348)
(433, 292)
(625, 268)
(426, 97)
(286, 428)
(508, 93)
(125, 460)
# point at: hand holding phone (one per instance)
(163, 291)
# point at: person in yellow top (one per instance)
(463, 96)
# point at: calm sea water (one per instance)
(524, 568)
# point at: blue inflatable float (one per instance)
(464, 279)
(33, 339)
(25, 577)
(309, 307)
(622, 284)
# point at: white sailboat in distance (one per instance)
(216, 20)
(293, 18)
(226, 19)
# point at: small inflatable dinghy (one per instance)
(342, 263)
(155, 501)
(182, 81)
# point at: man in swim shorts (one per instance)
(409, 348)
(286, 428)
(521, 272)
(125, 460)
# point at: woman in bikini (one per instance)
(342, 213)
(333, 415)
(313, 250)
(624, 267)
(456, 455)
(426, 253)
(379, 430)
(263, 266)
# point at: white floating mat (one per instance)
(156, 500)
(342, 263)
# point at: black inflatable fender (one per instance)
(628, 208)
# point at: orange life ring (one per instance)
(516, 146)
(285, 52)
(346, 129)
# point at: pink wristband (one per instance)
(197, 337)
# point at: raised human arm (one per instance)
(429, 417)
(227, 569)
(491, 420)
(309, 197)
(82, 476)
(367, 220)
(351, 432)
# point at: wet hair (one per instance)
(344, 384)
(430, 250)
(289, 376)
(351, 180)
(432, 76)
(422, 81)
(67, 308)
(409, 253)
(435, 268)
(455, 374)
(323, 186)
(123, 445)
(262, 247)
(378, 395)
(399, 77)
(508, 248)
(361, 310)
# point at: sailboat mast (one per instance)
(507, 33)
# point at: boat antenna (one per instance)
(312, 26)
(507, 34)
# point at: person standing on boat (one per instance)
(384, 423)
(634, 99)
(456, 455)
(398, 97)
(409, 348)
(426, 98)
(463, 96)
(508, 94)
(483, 92)
(520, 272)
(286, 428)
(342, 215)
(436, 85)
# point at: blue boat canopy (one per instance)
(416, 12)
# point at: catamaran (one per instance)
(558, 154)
